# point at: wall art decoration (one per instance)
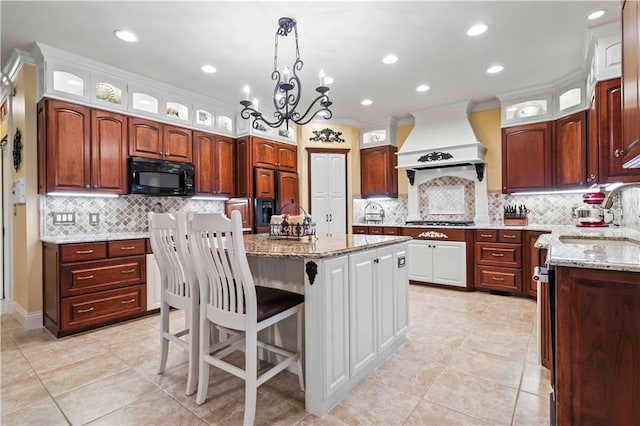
(326, 135)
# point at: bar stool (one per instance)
(179, 290)
(230, 300)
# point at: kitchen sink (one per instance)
(625, 242)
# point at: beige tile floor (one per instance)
(470, 359)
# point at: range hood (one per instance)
(441, 137)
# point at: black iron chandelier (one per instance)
(287, 91)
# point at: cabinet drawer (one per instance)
(125, 248)
(86, 277)
(375, 230)
(360, 229)
(102, 307)
(513, 237)
(499, 278)
(83, 251)
(488, 236)
(390, 231)
(506, 255)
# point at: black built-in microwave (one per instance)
(158, 177)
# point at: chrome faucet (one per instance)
(608, 200)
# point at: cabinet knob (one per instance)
(591, 178)
(87, 186)
(166, 153)
(618, 153)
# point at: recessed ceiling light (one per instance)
(209, 69)
(328, 80)
(495, 69)
(125, 35)
(390, 59)
(477, 30)
(597, 14)
(422, 88)
(366, 102)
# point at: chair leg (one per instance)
(203, 367)
(299, 330)
(164, 343)
(194, 354)
(251, 380)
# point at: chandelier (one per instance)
(287, 90)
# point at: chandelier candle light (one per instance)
(287, 92)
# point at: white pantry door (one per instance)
(328, 191)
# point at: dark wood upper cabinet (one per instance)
(609, 134)
(244, 180)
(570, 150)
(108, 152)
(214, 163)
(526, 157)
(80, 149)
(64, 146)
(287, 192)
(265, 183)
(177, 144)
(287, 157)
(265, 153)
(145, 138)
(275, 155)
(378, 173)
(630, 81)
(149, 139)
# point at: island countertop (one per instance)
(326, 245)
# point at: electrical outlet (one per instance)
(94, 218)
(64, 218)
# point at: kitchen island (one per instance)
(596, 294)
(356, 304)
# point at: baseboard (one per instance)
(28, 320)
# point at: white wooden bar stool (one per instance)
(230, 300)
(179, 290)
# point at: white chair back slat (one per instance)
(225, 280)
(163, 234)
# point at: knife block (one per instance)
(516, 222)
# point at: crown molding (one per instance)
(17, 59)
(485, 105)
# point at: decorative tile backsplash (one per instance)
(122, 214)
(551, 209)
(442, 191)
(630, 201)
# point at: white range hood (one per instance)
(443, 143)
(441, 137)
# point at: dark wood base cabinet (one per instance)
(597, 347)
(87, 285)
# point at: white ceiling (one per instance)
(537, 42)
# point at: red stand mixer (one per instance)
(592, 215)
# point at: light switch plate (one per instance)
(64, 218)
(94, 218)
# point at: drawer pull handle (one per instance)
(486, 235)
(124, 302)
(497, 279)
(127, 248)
(497, 254)
(82, 311)
(84, 251)
(88, 277)
(509, 236)
(128, 271)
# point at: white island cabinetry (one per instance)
(356, 307)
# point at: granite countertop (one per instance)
(616, 249)
(87, 238)
(532, 227)
(327, 245)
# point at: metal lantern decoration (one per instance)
(287, 90)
